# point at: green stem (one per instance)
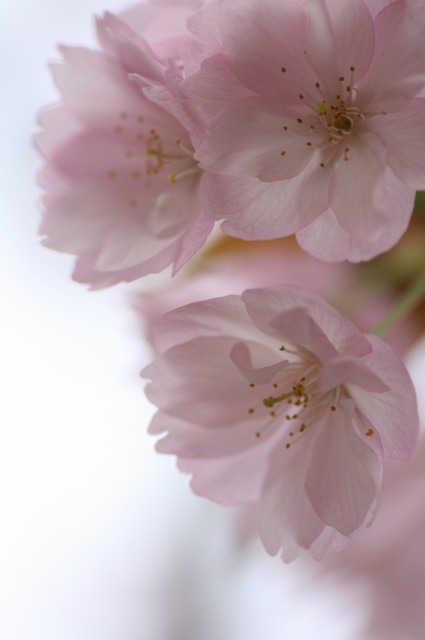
(409, 299)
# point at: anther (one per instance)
(250, 410)
(283, 69)
(333, 408)
(369, 432)
(251, 384)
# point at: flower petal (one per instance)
(394, 413)
(340, 36)
(262, 39)
(366, 197)
(349, 370)
(248, 140)
(404, 136)
(255, 210)
(216, 317)
(344, 475)
(288, 522)
(309, 320)
(326, 239)
(397, 70)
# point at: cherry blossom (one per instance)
(122, 185)
(311, 112)
(273, 398)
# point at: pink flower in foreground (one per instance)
(122, 186)
(275, 399)
(314, 119)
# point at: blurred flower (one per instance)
(363, 293)
(122, 185)
(274, 398)
(313, 117)
(390, 556)
(389, 560)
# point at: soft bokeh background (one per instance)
(100, 539)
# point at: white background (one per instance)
(100, 538)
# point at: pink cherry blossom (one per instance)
(273, 398)
(311, 112)
(122, 185)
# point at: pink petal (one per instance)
(94, 87)
(210, 91)
(366, 197)
(404, 136)
(241, 356)
(198, 382)
(220, 316)
(310, 320)
(397, 70)
(329, 541)
(132, 50)
(394, 413)
(326, 239)
(344, 476)
(260, 39)
(193, 240)
(288, 522)
(205, 25)
(234, 479)
(248, 140)
(340, 35)
(86, 273)
(193, 441)
(349, 370)
(254, 210)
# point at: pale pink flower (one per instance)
(122, 186)
(313, 116)
(273, 398)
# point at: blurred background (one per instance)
(101, 539)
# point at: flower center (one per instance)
(325, 120)
(339, 119)
(143, 153)
(294, 402)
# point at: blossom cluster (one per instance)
(273, 117)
